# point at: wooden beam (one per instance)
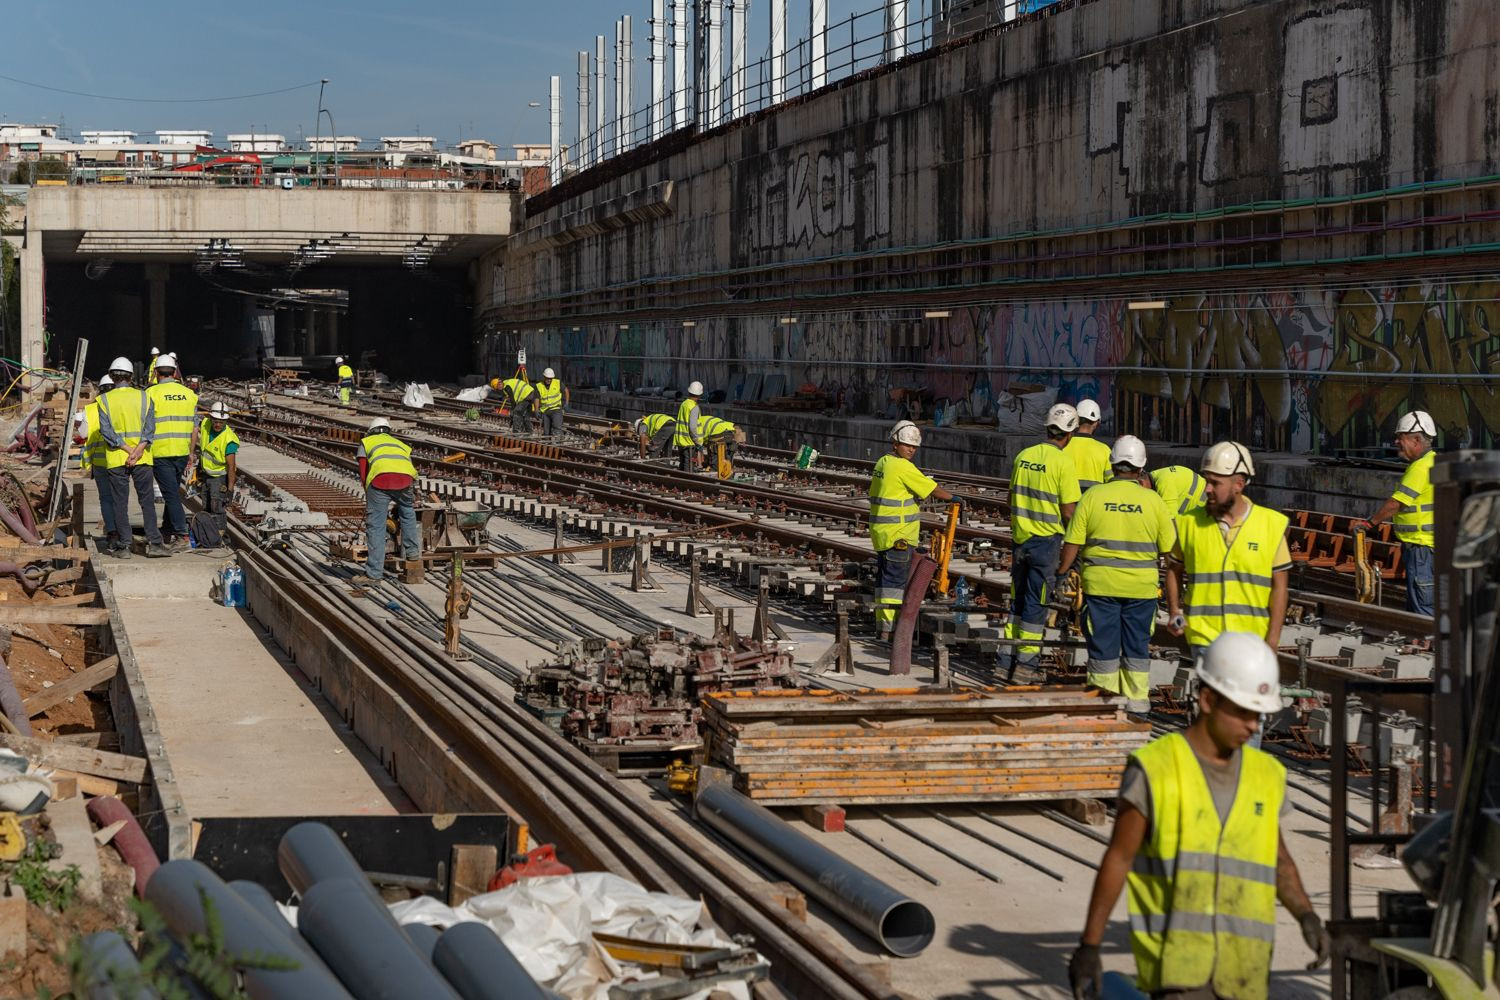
(24, 552)
(88, 679)
(70, 600)
(19, 614)
(103, 763)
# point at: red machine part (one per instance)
(538, 862)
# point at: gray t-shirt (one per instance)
(1223, 781)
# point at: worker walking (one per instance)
(171, 449)
(1197, 842)
(553, 397)
(346, 380)
(522, 396)
(151, 367)
(1235, 555)
(654, 433)
(1043, 492)
(94, 462)
(127, 423)
(1410, 507)
(1180, 487)
(215, 449)
(1089, 455)
(688, 435)
(1122, 530)
(389, 477)
(897, 489)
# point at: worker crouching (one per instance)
(897, 489)
(386, 469)
(654, 434)
(217, 445)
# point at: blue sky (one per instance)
(453, 69)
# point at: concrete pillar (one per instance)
(156, 306)
(33, 292)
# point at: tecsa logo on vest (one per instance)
(1124, 508)
(1033, 466)
(175, 397)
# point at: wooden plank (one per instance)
(471, 867)
(60, 576)
(97, 741)
(71, 600)
(87, 783)
(103, 763)
(12, 614)
(22, 552)
(99, 673)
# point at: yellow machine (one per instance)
(1367, 580)
(726, 467)
(942, 550)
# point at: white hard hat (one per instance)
(1089, 410)
(695, 388)
(1241, 667)
(155, 351)
(548, 373)
(907, 432)
(640, 424)
(1228, 458)
(219, 411)
(1129, 450)
(339, 360)
(165, 361)
(378, 423)
(1417, 422)
(1063, 417)
(122, 365)
(105, 380)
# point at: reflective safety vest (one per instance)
(651, 423)
(213, 449)
(346, 374)
(383, 454)
(1203, 894)
(551, 393)
(520, 389)
(1042, 480)
(127, 408)
(1229, 587)
(1090, 458)
(689, 414)
(176, 412)
(895, 511)
(1181, 487)
(93, 443)
(1128, 528)
(714, 426)
(1414, 521)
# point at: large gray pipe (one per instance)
(364, 947)
(424, 936)
(900, 924)
(261, 900)
(478, 965)
(178, 890)
(107, 960)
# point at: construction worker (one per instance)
(553, 397)
(1089, 455)
(654, 433)
(1235, 555)
(688, 433)
(346, 380)
(1410, 506)
(897, 489)
(172, 448)
(214, 453)
(1180, 487)
(717, 430)
(386, 469)
(522, 396)
(127, 423)
(1043, 492)
(93, 462)
(151, 367)
(1197, 841)
(1123, 529)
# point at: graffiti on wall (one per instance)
(835, 197)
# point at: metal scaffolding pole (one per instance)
(584, 150)
(778, 51)
(713, 91)
(738, 11)
(555, 160)
(680, 117)
(627, 76)
(616, 130)
(658, 67)
(818, 44)
(599, 110)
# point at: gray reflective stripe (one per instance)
(1084, 484)
(1202, 923)
(170, 418)
(403, 452)
(1104, 668)
(1411, 529)
(887, 594)
(1036, 515)
(1030, 628)
(1426, 506)
(1202, 861)
(1027, 491)
(1124, 546)
(1124, 562)
(894, 518)
(1134, 665)
(1408, 491)
(1187, 502)
(1234, 575)
(184, 435)
(886, 502)
(1248, 610)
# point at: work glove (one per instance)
(1177, 624)
(1360, 527)
(1316, 936)
(1086, 972)
(955, 498)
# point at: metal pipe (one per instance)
(310, 853)
(900, 924)
(818, 43)
(627, 77)
(180, 889)
(713, 66)
(658, 69)
(480, 967)
(108, 960)
(555, 111)
(1017, 831)
(425, 937)
(599, 110)
(895, 30)
(778, 51)
(679, 65)
(992, 842)
(585, 157)
(952, 855)
(260, 899)
(353, 932)
(900, 859)
(616, 130)
(738, 9)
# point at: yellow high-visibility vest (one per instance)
(176, 411)
(127, 407)
(653, 422)
(346, 374)
(1042, 480)
(1229, 586)
(213, 449)
(1123, 529)
(93, 444)
(383, 454)
(688, 433)
(897, 489)
(714, 426)
(1090, 458)
(520, 389)
(551, 393)
(1181, 487)
(1414, 521)
(1203, 894)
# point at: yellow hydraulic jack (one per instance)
(726, 467)
(942, 550)
(455, 608)
(1367, 580)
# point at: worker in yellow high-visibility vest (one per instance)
(345, 380)
(1180, 487)
(552, 397)
(127, 423)
(1122, 529)
(151, 366)
(1043, 493)
(687, 435)
(717, 430)
(389, 477)
(87, 434)
(1197, 842)
(1089, 455)
(217, 446)
(654, 433)
(897, 489)
(172, 448)
(522, 398)
(1410, 507)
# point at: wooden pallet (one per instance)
(635, 760)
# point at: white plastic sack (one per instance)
(1024, 413)
(417, 395)
(478, 394)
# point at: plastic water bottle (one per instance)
(233, 580)
(960, 600)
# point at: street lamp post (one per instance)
(335, 138)
(318, 134)
(515, 124)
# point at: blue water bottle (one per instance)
(233, 579)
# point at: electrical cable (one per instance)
(155, 100)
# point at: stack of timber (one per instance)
(927, 744)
